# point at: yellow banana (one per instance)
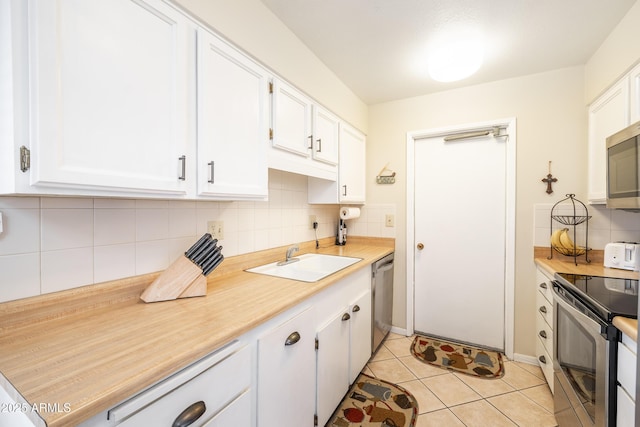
(555, 238)
(565, 240)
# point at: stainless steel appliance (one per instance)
(586, 346)
(622, 255)
(623, 168)
(382, 300)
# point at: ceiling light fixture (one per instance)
(455, 60)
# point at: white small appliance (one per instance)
(622, 255)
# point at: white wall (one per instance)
(551, 125)
(619, 53)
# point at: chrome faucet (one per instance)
(290, 251)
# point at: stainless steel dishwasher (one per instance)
(382, 300)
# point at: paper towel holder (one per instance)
(388, 178)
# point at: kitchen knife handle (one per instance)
(293, 338)
(183, 161)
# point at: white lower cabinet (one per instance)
(544, 326)
(286, 374)
(360, 334)
(193, 394)
(626, 396)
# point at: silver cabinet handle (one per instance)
(293, 338)
(543, 309)
(345, 190)
(183, 160)
(190, 415)
(543, 359)
(355, 308)
(211, 171)
(543, 285)
(346, 317)
(543, 334)
(310, 147)
(319, 141)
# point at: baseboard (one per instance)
(399, 331)
(531, 360)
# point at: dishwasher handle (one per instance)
(384, 267)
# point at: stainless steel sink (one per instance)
(308, 268)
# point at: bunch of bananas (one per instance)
(561, 242)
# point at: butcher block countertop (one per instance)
(89, 348)
(560, 264)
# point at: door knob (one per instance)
(420, 246)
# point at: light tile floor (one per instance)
(445, 399)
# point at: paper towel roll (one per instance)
(349, 213)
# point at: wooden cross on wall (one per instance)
(549, 180)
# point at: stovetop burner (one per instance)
(610, 295)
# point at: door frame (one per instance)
(510, 216)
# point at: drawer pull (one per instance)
(346, 317)
(542, 359)
(292, 339)
(190, 415)
(543, 309)
(543, 334)
(543, 285)
(356, 308)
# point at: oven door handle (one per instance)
(587, 322)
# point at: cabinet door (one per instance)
(233, 127)
(333, 364)
(352, 165)
(607, 115)
(326, 128)
(286, 373)
(236, 414)
(291, 119)
(109, 93)
(360, 347)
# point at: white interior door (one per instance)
(460, 218)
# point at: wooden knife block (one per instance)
(183, 279)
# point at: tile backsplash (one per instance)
(605, 225)
(55, 243)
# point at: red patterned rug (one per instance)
(458, 357)
(373, 402)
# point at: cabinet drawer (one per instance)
(543, 284)
(626, 409)
(215, 381)
(544, 333)
(627, 369)
(546, 362)
(544, 308)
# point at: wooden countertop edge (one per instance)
(55, 323)
(562, 264)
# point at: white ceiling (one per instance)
(376, 47)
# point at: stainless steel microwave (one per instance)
(623, 168)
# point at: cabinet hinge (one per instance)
(25, 159)
(270, 134)
(315, 420)
(270, 87)
(317, 343)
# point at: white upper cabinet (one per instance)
(634, 92)
(607, 115)
(233, 121)
(326, 128)
(295, 147)
(109, 96)
(351, 184)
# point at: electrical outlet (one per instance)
(312, 219)
(388, 221)
(216, 229)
